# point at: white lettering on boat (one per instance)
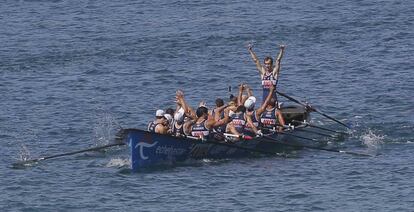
(160, 150)
(141, 146)
(164, 150)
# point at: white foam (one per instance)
(24, 153)
(118, 162)
(207, 160)
(105, 129)
(372, 140)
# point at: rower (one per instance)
(169, 115)
(256, 114)
(177, 128)
(204, 124)
(269, 74)
(160, 124)
(170, 121)
(271, 118)
(200, 128)
(239, 121)
(220, 110)
(200, 124)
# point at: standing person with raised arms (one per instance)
(269, 73)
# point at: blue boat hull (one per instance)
(149, 149)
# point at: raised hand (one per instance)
(241, 86)
(250, 46)
(202, 103)
(179, 94)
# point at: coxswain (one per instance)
(160, 124)
(269, 73)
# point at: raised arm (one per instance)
(217, 112)
(250, 123)
(211, 123)
(267, 100)
(276, 69)
(249, 91)
(255, 59)
(187, 109)
(240, 95)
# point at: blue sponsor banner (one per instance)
(149, 149)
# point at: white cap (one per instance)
(249, 103)
(179, 115)
(168, 117)
(159, 113)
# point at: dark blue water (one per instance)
(71, 72)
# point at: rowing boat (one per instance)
(148, 149)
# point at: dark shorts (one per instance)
(266, 92)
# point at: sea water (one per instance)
(74, 72)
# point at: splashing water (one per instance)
(105, 128)
(27, 135)
(119, 162)
(24, 153)
(373, 141)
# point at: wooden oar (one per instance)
(318, 127)
(317, 133)
(288, 134)
(313, 109)
(271, 139)
(20, 163)
(297, 136)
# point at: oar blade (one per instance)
(25, 163)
